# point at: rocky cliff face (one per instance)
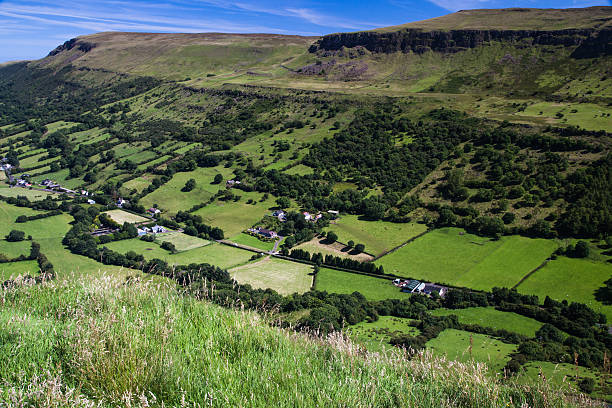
(419, 41)
(70, 44)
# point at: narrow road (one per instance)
(276, 244)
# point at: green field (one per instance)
(317, 245)
(32, 195)
(234, 217)
(182, 242)
(455, 344)
(331, 280)
(571, 279)
(219, 255)
(61, 177)
(489, 317)
(120, 216)
(375, 336)
(377, 236)
(586, 115)
(562, 375)
(48, 232)
(14, 249)
(11, 270)
(446, 256)
(285, 277)
(251, 241)
(170, 198)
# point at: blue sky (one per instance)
(29, 29)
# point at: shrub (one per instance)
(168, 246)
(15, 236)
(587, 385)
(331, 237)
(21, 219)
(189, 185)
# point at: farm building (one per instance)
(430, 289)
(154, 211)
(280, 214)
(266, 233)
(121, 202)
(412, 286)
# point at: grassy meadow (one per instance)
(14, 249)
(101, 342)
(32, 195)
(375, 336)
(571, 279)
(377, 236)
(171, 199)
(253, 242)
(285, 277)
(496, 319)
(334, 281)
(182, 242)
(451, 256)
(11, 270)
(219, 255)
(236, 216)
(456, 343)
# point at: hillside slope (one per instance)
(517, 19)
(176, 56)
(129, 343)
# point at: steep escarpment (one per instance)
(587, 28)
(591, 42)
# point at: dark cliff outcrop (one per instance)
(419, 41)
(70, 44)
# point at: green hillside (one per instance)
(283, 184)
(110, 342)
(516, 19)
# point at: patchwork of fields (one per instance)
(451, 256)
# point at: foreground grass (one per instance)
(111, 342)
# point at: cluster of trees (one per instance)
(15, 236)
(189, 185)
(195, 226)
(46, 267)
(510, 174)
(334, 261)
(367, 148)
(580, 250)
(48, 204)
(127, 231)
(25, 218)
(51, 95)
